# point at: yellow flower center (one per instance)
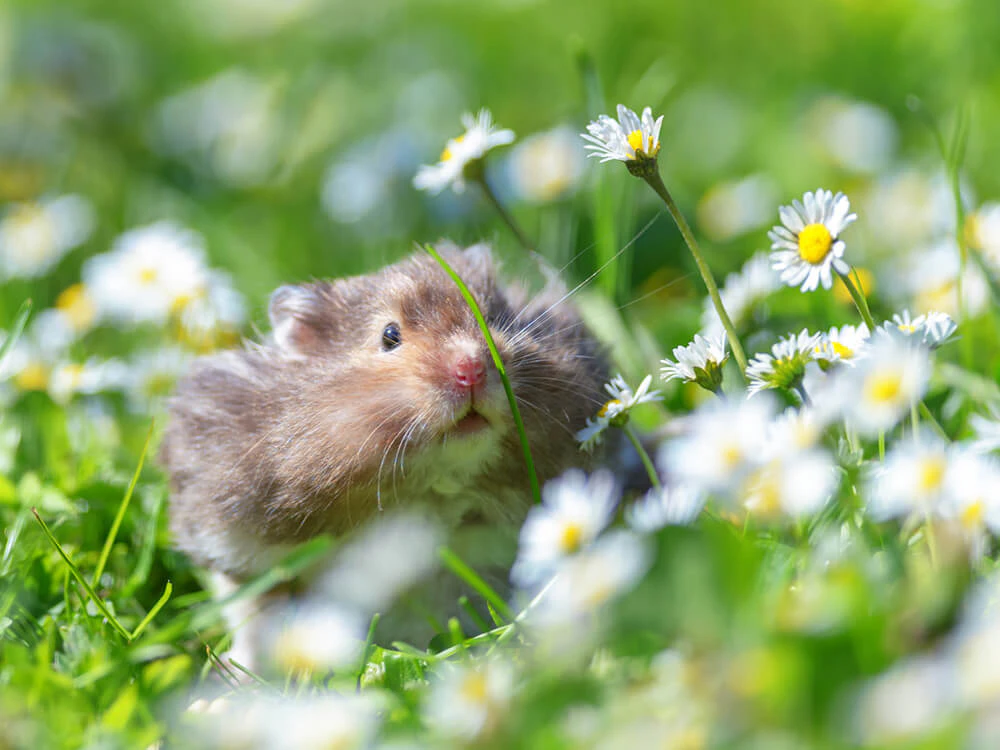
(74, 303)
(289, 653)
(147, 276)
(639, 144)
(931, 473)
(815, 242)
(765, 494)
(31, 231)
(731, 455)
(34, 377)
(884, 387)
(972, 515)
(844, 352)
(474, 688)
(603, 411)
(448, 154)
(73, 374)
(571, 537)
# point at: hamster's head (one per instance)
(397, 379)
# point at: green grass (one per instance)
(743, 632)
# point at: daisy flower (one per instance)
(629, 138)
(615, 412)
(480, 136)
(316, 722)
(785, 366)
(793, 431)
(574, 510)
(842, 344)
(93, 376)
(588, 581)
(973, 495)
(149, 274)
(808, 246)
(317, 638)
(974, 650)
(699, 362)
(214, 316)
(546, 166)
(151, 377)
(906, 703)
(932, 328)
(381, 562)
(911, 480)
(720, 444)
(467, 701)
(982, 232)
(667, 506)
(35, 236)
(794, 486)
(886, 382)
(987, 431)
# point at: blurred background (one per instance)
(277, 142)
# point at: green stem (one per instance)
(120, 515)
(929, 417)
(74, 571)
(859, 299)
(654, 180)
(536, 490)
(480, 177)
(881, 446)
(931, 543)
(643, 455)
(457, 566)
(914, 418)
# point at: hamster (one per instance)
(375, 391)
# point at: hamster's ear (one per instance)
(479, 256)
(291, 310)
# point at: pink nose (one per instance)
(469, 371)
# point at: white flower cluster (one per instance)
(155, 275)
(615, 412)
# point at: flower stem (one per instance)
(491, 196)
(859, 299)
(800, 391)
(536, 491)
(931, 543)
(643, 456)
(654, 180)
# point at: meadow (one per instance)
(788, 241)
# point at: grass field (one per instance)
(818, 569)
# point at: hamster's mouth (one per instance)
(473, 422)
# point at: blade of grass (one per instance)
(477, 618)
(457, 566)
(15, 333)
(98, 602)
(511, 400)
(148, 550)
(297, 560)
(120, 515)
(152, 613)
(252, 675)
(366, 652)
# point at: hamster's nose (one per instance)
(468, 371)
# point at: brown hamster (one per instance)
(374, 391)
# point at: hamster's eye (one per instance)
(391, 337)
